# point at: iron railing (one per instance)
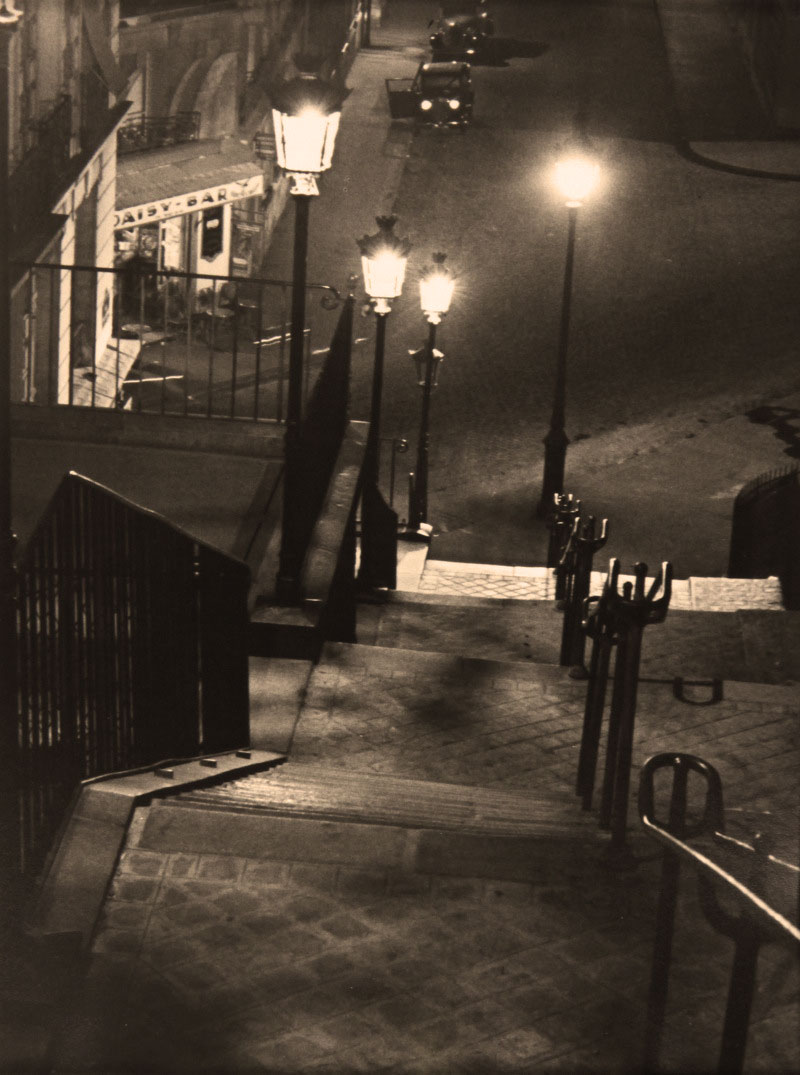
(140, 132)
(765, 531)
(132, 649)
(764, 894)
(174, 342)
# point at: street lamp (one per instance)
(575, 176)
(305, 114)
(383, 262)
(436, 288)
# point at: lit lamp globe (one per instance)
(436, 288)
(576, 176)
(383, 263)
(305, 114)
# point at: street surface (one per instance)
(684, 301)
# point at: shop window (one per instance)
(211, 243)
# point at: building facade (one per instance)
(65, 103)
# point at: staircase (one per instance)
(416, 887)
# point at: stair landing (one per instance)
(719, 594)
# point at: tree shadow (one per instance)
(786, 423)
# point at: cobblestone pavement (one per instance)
(210, 962)
(538, 583)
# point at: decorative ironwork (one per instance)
(617, 619)
(141, 132)
(584, 543)
(132, 649)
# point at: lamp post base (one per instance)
(555, 458)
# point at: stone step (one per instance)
(303, 790)
(749, 645)
(372, 821)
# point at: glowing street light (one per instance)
(383, 262)
(436, 287)
(305, 114)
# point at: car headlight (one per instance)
(454, 103)
(426, 105)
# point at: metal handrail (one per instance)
(742, 893)
(758, 922)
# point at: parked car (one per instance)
(474, 8)
(462, 32)
(439, 93)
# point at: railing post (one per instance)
(566, 511)
(631, 612)
(600, 629)
(713, 817)
(573, 638)
(565, 572)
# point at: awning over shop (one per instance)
(182, 179)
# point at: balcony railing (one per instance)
(142, 132)
(178, 343)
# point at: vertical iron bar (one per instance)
(234, 355)
(593, 718)
(665, 924)
(53, 342)
(259, 330)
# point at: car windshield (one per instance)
(436, 83)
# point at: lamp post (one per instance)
(306, 112)
(575, 176)
(9, 824)
(436, 288)
(383, 262)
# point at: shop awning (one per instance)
(181, 179)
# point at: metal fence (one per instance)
(132, 649)
(765, 531)
(164, 342)
(140, 131)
